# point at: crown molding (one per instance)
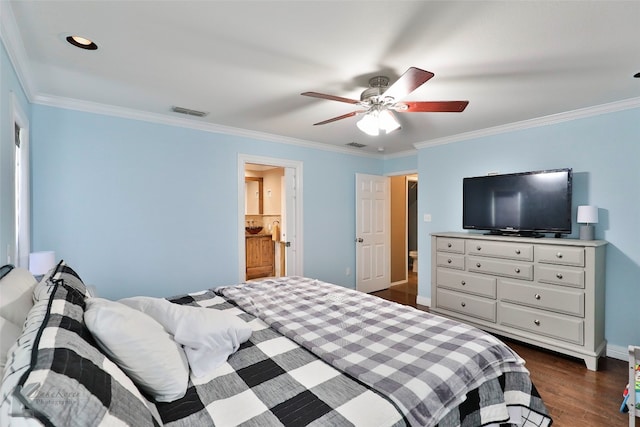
(12, 42)
(166, 119)
(626, 104)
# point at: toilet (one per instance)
(414, 259)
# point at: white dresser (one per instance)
(544, 291)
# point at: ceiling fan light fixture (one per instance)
(369, 124)
(387, 121)
(375, 120)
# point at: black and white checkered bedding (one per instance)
(272, 381)
(426, 364)
(269, 381)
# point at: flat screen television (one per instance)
(527, 203)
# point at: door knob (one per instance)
(359, 240)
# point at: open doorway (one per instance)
(269, 217)
(404, 239)
(264, 248)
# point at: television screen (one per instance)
(519, 203)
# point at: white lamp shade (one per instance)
(41, 262)
(387, 121)
(369, 124)
(588, 214)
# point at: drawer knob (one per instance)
(537, 322)
(559, 275)
(479, 247)
(517, 270)
(449, 261)
(478, 264)
(464, 304)
(559, 255)
(517, 251)
(463, 283)
(537, 296)
(448, 245)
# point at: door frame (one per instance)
(406, 175)
(295, 268)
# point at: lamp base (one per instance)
(587, 232)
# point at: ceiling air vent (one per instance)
(355, 145)
(189, 112)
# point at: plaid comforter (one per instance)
(426, 364)
(270, 381)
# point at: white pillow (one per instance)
(16, 295)
(9, 333)
(140, 347)
(209, 336)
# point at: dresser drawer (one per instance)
(450, 245)
(551, 298)
(564, 255)
(465, 282)
(518, 270)
(560, 276)
(450, 261)
(517, 251)
(469, 305)
(565, 328)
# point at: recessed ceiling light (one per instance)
(82, 43)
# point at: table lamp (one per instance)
(41, 262)
(587, 215)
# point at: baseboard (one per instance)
(617, 352)
(423, 301)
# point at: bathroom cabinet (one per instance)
(259, 251)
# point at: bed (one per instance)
(294, 351)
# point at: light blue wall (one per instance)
(604, 152)
(143, 208)
(402, 164)
(9, 85)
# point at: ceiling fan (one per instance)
(380, 100)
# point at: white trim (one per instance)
(22, 242)
(197, 124)
(617, 352)
(402, 173)
(423, 301)
(298, 267)
(581, 113)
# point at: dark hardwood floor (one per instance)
(574, 395)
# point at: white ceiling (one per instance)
(246, 62)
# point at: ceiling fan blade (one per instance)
(330, 97)
(412, 79)
(432, 106)
(344, 116)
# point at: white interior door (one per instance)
(288, 233)
(372, 233)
